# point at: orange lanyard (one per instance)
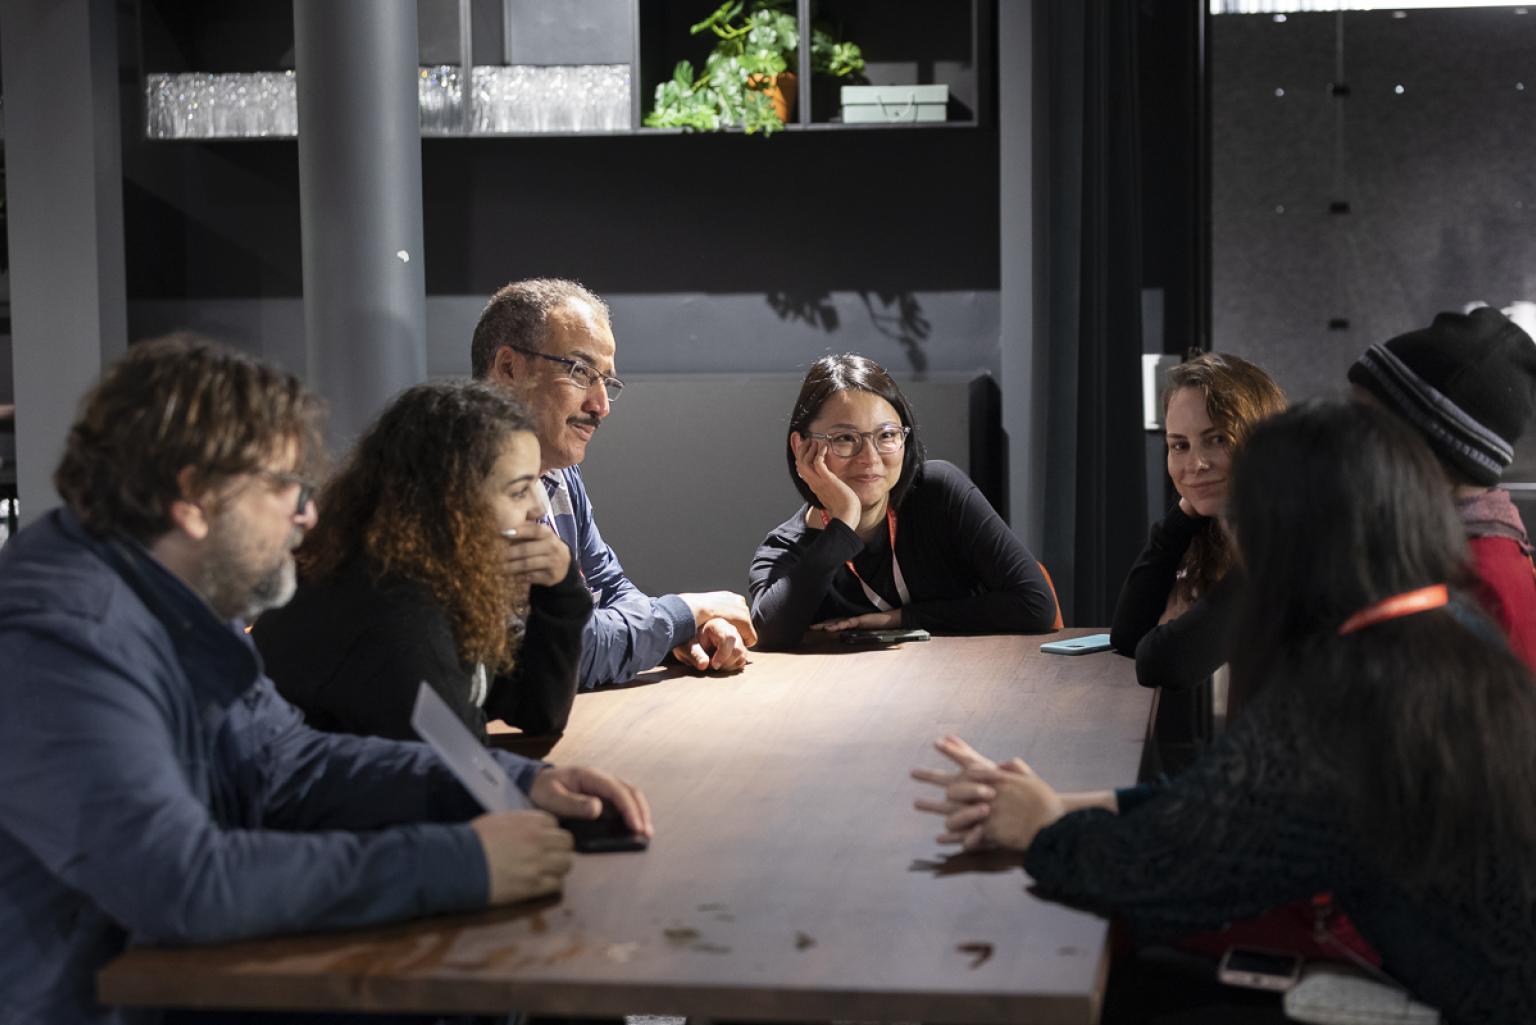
(869, 592)
(1397, 606)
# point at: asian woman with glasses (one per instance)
(886, 539)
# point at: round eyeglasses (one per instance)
(847, 444)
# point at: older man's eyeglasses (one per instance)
(847, 444)
(582, 375)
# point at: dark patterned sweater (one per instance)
(1254, 825)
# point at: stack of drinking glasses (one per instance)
(513, 99)
(573, 98)
(201, 105)
(440, 91)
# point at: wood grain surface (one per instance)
(789, 879)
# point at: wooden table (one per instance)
(790, 878)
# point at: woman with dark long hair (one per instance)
(429, 563)
(1383, 753)
(885, 539)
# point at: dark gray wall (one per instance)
(1440, 179)
(723, 253)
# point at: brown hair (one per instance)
(1238, 394)
(171, 404)
(409, 499)
(518, 315)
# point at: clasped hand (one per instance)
(725, 631)
(987, 804)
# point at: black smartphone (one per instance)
(882, 636)
(606, 834)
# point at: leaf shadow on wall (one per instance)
(895, 314)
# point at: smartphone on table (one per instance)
(1085, 645)
(606, 834)
(882, 636)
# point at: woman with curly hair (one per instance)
(431, 562)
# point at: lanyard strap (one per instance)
(901, 583)
(1398, 605)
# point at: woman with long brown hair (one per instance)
(1176, 606)
(430, 562)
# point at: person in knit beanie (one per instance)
(1467, 383)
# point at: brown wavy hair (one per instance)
(176, 403)
(1238, 394)
(410, 500)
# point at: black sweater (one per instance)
(1255, 824)
(966, 570)
(1183, 652)
(350, 652)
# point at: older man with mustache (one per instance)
(550, 343)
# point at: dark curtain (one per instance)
(1095, 463)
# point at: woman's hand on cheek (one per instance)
(836, 497)
(537, 553)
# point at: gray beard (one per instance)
(234, 595)
(273, 591)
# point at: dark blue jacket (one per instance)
(155, 788)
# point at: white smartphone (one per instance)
(464, 753)
(1252, 968)
(1084, 645)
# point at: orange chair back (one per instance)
(1058, 624)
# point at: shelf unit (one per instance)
(903, 41)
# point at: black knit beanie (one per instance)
(1467, 383)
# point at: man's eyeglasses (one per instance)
(583, 375)
(288, 480)
(847, 444)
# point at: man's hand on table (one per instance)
(719, 645)
(725, 631)
(987, 804)
(526, 854)
(574, 792)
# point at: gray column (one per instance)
(1024, 345)
(360, 204)
(64, 206)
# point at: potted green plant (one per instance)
(746, 81)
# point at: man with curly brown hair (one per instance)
(153, 785)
